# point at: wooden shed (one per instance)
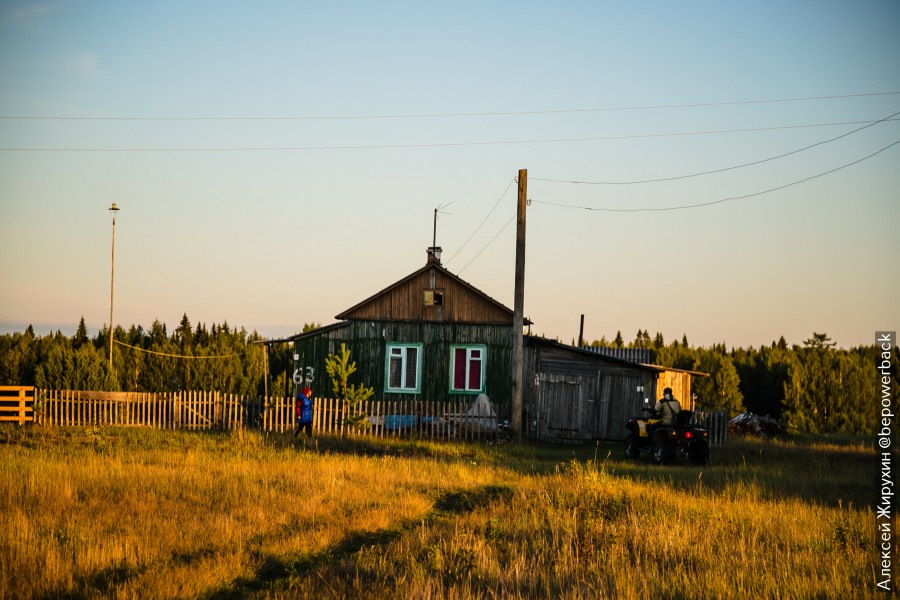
(576, 394)
(430, 336)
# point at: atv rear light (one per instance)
(688, 435)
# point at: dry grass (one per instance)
(143, 513)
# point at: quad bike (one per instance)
(665, 443)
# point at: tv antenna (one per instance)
(438, 211)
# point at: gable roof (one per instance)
(404, 301)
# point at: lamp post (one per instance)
(112, 277)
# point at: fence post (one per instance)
(21, 406)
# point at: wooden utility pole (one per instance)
(519, 308)
(112, 278)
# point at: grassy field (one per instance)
(136, 513)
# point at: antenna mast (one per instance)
(438, 211)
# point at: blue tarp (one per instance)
(392, 422)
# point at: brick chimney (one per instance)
(434, 254)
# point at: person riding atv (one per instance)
(668, 407)
(666, 433)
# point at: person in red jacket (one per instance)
(304, 409)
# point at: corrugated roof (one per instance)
(533, 339)
(614, 359)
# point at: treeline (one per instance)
(218, 357)
(814, 387)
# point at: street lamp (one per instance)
(112, 274)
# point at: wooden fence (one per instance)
(215, 410)
(17, 403)
(716, 422)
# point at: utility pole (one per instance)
(112, 278)
(519, 308)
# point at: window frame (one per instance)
(483, 360)
(405, 346)
(437, 297)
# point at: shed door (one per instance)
(560, 406)
(624, 402)
(603, 405)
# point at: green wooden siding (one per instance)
(367, 342)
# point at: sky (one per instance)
(277, 162)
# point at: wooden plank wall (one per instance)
(680, 383)
(367, 340)
(576, 396)
(406, 302)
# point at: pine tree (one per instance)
(81, 336)
(201, 335)
(184, 335)
(158, 333)
(819, 340)
(618, 342)
(721, 390)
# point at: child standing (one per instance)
(304, 410)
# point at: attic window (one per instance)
(434, 297)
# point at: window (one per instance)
(403, 369)
(434, 297)
(467, 369)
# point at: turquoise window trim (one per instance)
(387, 368)
(453, 349)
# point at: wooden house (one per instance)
(433, 337)
(430, 336)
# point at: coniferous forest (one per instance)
(812, 388)
(216, 357)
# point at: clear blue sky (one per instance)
(333, 210)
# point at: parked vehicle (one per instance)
(666, 443)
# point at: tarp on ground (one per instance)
(481, 416)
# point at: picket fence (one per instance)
(459, 420)
(217, 410)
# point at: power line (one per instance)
(722, 200)
(446, 115)
(502, 229)
(741, 166)
(496, 204)
(441, 144)
(172, 355)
